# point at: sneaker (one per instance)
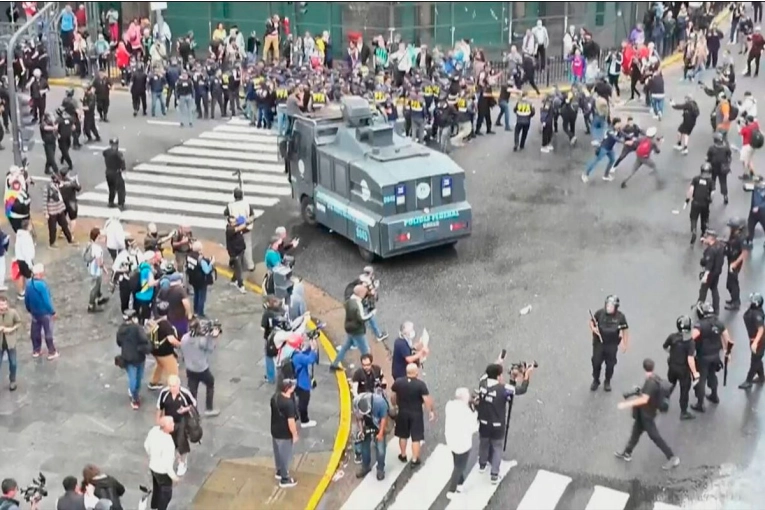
(585, 179)
(713, 398)
(380, 476)
(482, 469)
(624, 456)
(20, 296)
(450, 495)
(182, 468)
(35, 354)
(135, 405)
(212, 413)
(745, 385)
(595, 143)
(242, 290)
(12, 387)
(608, 178)
(382, 337)
(460, 488)
(678, 147)
(357, 458)
(308, 424)
(286, 483)
(277, 476)
(671, 463)
(402, 458)
(687, 416)
(154, 387)
(53, 356)
(684, 152)
(494, 479)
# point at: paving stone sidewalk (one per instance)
(75, 410)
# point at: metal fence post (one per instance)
(12, 92)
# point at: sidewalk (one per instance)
(233, 467)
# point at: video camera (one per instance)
(313, 334)
(522, 366)
(635, 392)
(36, 490)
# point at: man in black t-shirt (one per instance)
(284, 433)
(644, 407)
(164, 340)
(410, 394)
(368, 377)
(176, 401)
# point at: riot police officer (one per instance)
(756, 211)
(115, 165)
(524, 112)
(102, 87)
(754, 320)
(609, 330)
(48, 135)
(71, 107)
(138, 85)
(710, 336)
(736, 254)
(64, 136)
(216, 94)
(719, 156)
(712, 262)
(89, 128)
(201, 94)
(700, 197)
(682, 362)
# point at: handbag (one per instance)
(15, 273)
(119, 361)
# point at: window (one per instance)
(341, 180)
(600, 14)
(325, 171)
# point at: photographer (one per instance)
(371, 412)
(368, 280)
(367, 379)
(644, 403)
(8, 500)
(196, 346)
(71, 499)
(493, 396)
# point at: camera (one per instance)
(635, 392)
(522, 366)
(36, 490)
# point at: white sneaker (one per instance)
(608, 178)
(585, 179)
(450, 495)
(308, 424)
(595, 143)
(3, 288)
(460, 488)
(182, 468)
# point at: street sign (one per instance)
(158, 6)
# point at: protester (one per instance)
(196, 346)
(134, 347)
(460, 425)
(10, 321)
(284, 432)
(176, 402)
(160, 448)
(39, 304)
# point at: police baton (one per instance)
(597, 327)
(238, 174)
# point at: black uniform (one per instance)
(215, 86)
(70, 106)
(138, 91)
(115, 165)
(89, 128)
(5, 100)
(611, 327)
(524, 112)
(48, 135)
(680, 347)
(712, 262)
(719, 156)
(733, 250)
(102, 89)
(38, 90)
(703, 185)
(708, 363)
(754, 320)
(65, 129)
(202, 94)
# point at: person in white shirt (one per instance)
(240, 208)
(96, 271)
(569, 41)
(543, 41)
(127, 260)
(460, 425)
(160, 448)
(529, 46)
(115, 235)
(24, 252)
(165, 35)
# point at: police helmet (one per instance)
(167, 267)
(63, 171)
(69, 92)
(706, 168)
(114, 141)
(718, 139)
(683, 324)
(613, 300)
(59, 112)
(710, 233)
(755, 300)
(736, 223)
(704, 309)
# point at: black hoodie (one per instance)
(107, 487)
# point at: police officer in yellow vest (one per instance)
(524, 112)
(239, 208)
(417, 111)
(463, 119)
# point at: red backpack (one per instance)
(644, 148)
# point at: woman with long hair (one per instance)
(99, 486)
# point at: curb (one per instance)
(344, 426)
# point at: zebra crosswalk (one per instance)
(191, 183)
(429, 482)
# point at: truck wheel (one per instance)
(308, 211)
(366, 255)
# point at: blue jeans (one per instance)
(504, 107)
(366, 453)
(602, 153)
(200, 298)
(270, 370)
(156, 97)
(359, 341)
(375, 326)
(185, 109)
(597, 127)
(264, 116)
(12, 365)
(281, 122)
(134, 375)
(658, 105)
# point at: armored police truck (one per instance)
(351, 173)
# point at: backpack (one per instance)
(194, 430)
(757, 139)
(134, 281)
(644, 148)
(87, 254)
(733, 112)
(666, 392)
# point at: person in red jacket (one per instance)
(756, 44)
(747, 151)
(122, 56)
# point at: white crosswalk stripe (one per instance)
(429, 482)
(193, 182)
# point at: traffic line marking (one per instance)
(428, 481)
(172, 159)
(261, 151)
(478, 489)
(135, 215)
(266, 136)
(221, 198)
(607, 499)
(370, 493)
(163, 122)
(209, 153)
(545, 492)
(219, 175)
(170, 205)
(239, 137)
(205, 184)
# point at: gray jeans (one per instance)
(249, 264)
(95, 290)
(490, 450)
(283, 456)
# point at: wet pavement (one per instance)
(75, 410)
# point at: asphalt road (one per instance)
(543, 238)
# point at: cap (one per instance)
(148, 256)
(650, 132)
(710, 233)
(38, 269)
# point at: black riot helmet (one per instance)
(63, 171)
(238, 195)
(718, 138)
(684, 324)
(114, 142)
(706, 168)
(613, 301)
(736, 223)
(69, 92)
(755, 300)
(704, 310)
